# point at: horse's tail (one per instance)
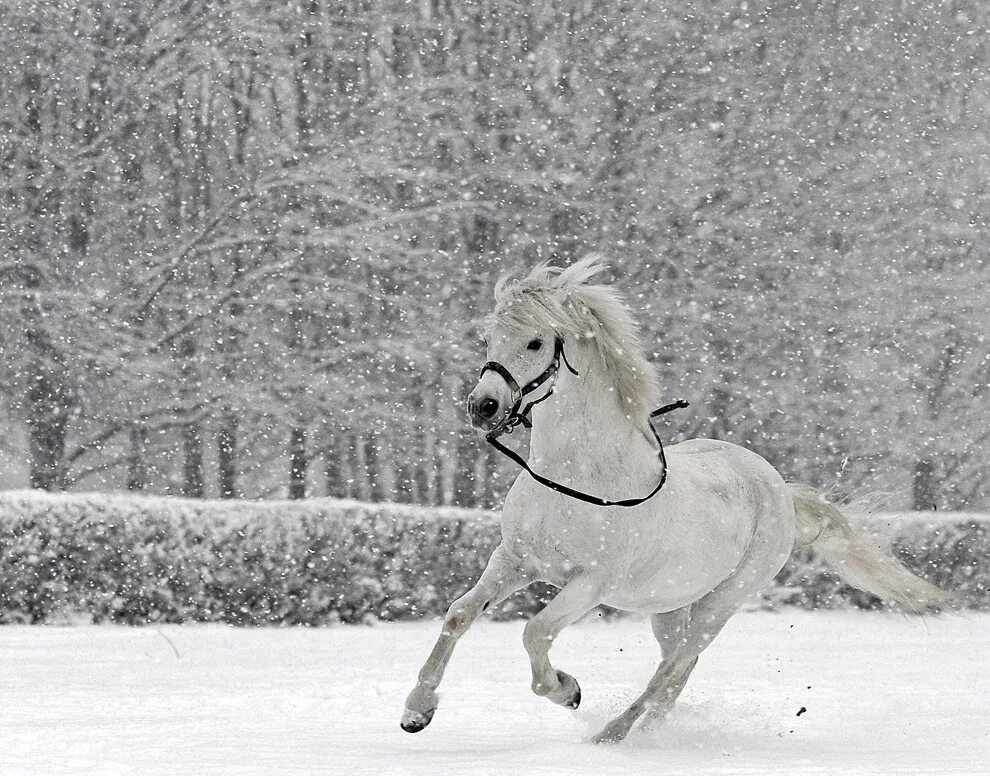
(858, 561)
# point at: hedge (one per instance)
(135, 560)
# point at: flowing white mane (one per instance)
(564, 301)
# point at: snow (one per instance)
(234, 512)
(882, 693)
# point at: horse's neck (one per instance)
(582, 437)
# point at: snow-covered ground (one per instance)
(881, 694)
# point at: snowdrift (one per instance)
(136, 560)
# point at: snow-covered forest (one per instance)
(245, 247)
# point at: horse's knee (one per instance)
(459, 618)
(455, 623)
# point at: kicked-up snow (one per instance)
(776, 693)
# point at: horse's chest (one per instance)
(560, 541)
(531, 538)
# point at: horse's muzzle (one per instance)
(484, 411)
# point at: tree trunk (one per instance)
(47, 396)
(372, 467)
(924, 491)
(387, 474)
(192, 456)
(298, 462)
(464, 475)
(227, 456)
(192, 434)
(333, 480)
(48, 412)
(361, 468)
(137, 466)
(425, 470)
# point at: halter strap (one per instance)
(515, 417)
(587, 497)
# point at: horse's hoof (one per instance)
(570, 690)
(609, 735)
(613, 733)
(414, 721)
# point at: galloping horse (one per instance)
(688, 550)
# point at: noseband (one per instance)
(516, 418)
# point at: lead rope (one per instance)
(587, 497)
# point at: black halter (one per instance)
(515, 418)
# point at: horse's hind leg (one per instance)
(692, 629)
(702, 623)
(688, 631)
(501, 577)
(576, 598)
(669, 629)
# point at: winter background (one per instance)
(245, 249)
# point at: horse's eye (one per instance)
(534, 344)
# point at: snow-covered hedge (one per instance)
(137, 560)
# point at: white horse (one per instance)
(717, 532)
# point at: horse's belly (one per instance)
(682, 573)
(670, 589)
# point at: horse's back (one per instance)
(722, 454)
(715, 467)
(702, 446)
(693, 446)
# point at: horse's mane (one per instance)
(565, 301)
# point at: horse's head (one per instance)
(521, 370)
(534, 317)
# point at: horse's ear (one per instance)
(500, 285)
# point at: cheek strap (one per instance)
(515, 417)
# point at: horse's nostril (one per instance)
(488, 408)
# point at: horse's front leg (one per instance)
(575, 599)
(503, 576)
